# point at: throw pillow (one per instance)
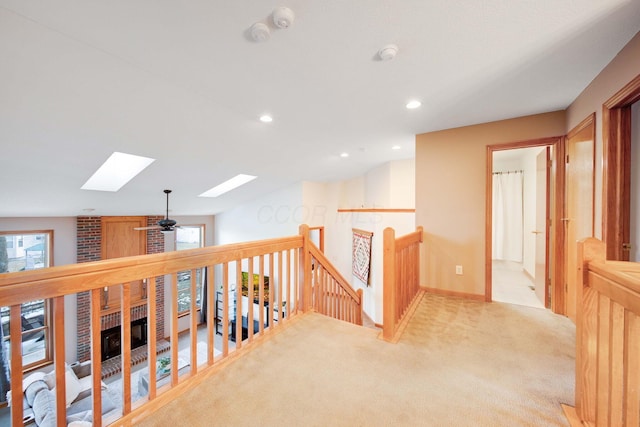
(72, 384)
(44, 408)
(30, 379)
(31, 392)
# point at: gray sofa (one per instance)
(39, 396)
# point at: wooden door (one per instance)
(120, 239)
(541, 281)
(578, 218)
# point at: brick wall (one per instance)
(89, 234)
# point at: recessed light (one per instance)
(116, 171)
(395, 147)
(411, 105)
(228, 185)
(344, 155)
(266, 118)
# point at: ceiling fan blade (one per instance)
(154, 227)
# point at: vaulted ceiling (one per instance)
(184, 83)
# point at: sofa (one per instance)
(40, 402)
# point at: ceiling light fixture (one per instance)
(228, 185)
(283, 17)
(266, 118)
(412, 105)
(260, 32)
(344, 155)
(395, 147)
(116, 171)
(388, 52)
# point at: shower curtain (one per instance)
(507, 216)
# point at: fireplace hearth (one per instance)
(112, 343)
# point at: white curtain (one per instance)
(507, 216)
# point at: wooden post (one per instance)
(15, 332)
(586, 330)
(389, 284)
(96, 354)
(59, 360)
(305, 269)
(359, 312)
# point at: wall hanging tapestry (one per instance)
(362, 254)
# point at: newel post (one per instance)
(389, 284)
(304, 300)
(589, 249)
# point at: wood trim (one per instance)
(616, 168)
(448, 293)
(381, 210)
(557, 239)
(364, 232)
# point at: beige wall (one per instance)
(450, 196)
(620, 71)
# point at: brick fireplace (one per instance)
(89, 236)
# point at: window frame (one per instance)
(202, 243)
(47, 315)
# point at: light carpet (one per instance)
(459, 363)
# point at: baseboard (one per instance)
(526, 273)
(449, 293)
(572, 416)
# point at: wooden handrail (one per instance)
(330, 292)
(607, 340)
(401, 286)
(291, 292)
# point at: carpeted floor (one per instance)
(459, 363)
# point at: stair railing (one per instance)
(401, 271)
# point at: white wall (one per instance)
(64, 252)
(279, 214)
(276, 214)
(390, 186)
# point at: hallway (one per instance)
(511, 285)
(459, 362)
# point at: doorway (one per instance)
(519, 256)
(538, 230)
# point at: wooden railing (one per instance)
(607, 340)
(332, 294)
(283, 271)
(401, 270)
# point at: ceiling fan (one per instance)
(165, 225)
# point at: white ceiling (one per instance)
(181, 82)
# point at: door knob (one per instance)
(536, 232)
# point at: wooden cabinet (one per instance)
(120, 239)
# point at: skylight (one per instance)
(119, 169)
(229, 185)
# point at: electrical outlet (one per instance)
(459, 270)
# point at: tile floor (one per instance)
(511, 285)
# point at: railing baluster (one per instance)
(225, 309)
(261, 293)
(250, 302)
(152, 347)
(59, 361)
(96, 354)
(194, 322)
(211, 307)
(174, 329)
(125, 342)
(238, 304)
(271, 290)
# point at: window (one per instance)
(189, 237)
(32, 252)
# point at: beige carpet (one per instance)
(459, 363)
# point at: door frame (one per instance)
(616, 169)
(556, 265)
